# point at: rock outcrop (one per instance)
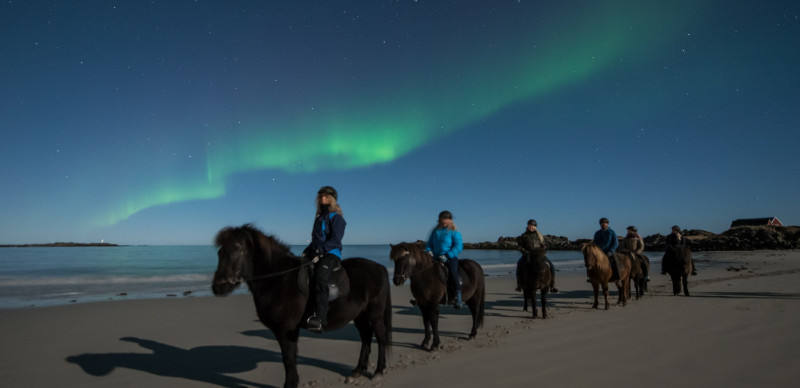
(741, 238)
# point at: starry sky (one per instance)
(161, 122)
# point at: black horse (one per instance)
(535, 275)
(428, 285)
(279, 283)
(677, 262)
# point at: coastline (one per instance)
(738, 328)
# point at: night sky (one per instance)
(161, 122)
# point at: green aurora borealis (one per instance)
(382, 123)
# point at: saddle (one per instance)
(338, 284)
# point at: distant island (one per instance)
(60, 244)
(740, 238)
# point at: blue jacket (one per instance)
(606, 240)
(443, 241)
(326, 237)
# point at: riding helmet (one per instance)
(330, 191)
(532, 222)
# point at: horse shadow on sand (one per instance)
(510, 303)
(208, 364)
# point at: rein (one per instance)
(284, 272)
(417, 267)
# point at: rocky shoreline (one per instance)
(743, 238)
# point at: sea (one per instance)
(50, 276)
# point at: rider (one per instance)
(606, 239)
(445, 244)
(326, 245)
(675, 240)
(633, 243)
(527, 242)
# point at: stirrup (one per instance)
(314, 324)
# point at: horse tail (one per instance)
(482, 307)
(481, 291)
(387, 312)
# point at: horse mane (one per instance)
(416, 250)
(538, 253)
(255, 238)
(590, 249)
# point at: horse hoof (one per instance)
(349, 380)
(378, 376)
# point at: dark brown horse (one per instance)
(678, 264)
(598, 269)
(277, 280)
(429, 287)
(535, 275)
(640, 270)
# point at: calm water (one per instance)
(63, 275)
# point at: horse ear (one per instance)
(391, 245)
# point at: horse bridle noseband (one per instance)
(403, 276)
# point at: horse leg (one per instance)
(676, 285)
(288, 344)
(605, 294)
(685, 285)
(544, 302)
(435, 327)
(426, 322)
(525, 296)
(596, 288)
(533, 303)
(365, 331)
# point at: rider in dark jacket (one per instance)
(673, 241)
(326, 246)
(527, 242)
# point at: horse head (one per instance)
(404, 257)
(235, 258)
(589, 250)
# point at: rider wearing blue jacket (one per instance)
(606, 239)
(326, 244)
(444, 244)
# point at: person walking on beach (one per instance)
(326, 247)
(444, 244)
(606, 239)
(673, 241)
(527, 242)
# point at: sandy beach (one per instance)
(740, 327)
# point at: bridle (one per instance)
(414, 273)
(237, 279)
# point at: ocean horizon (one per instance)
(48, 276)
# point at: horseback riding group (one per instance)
(318, 291)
